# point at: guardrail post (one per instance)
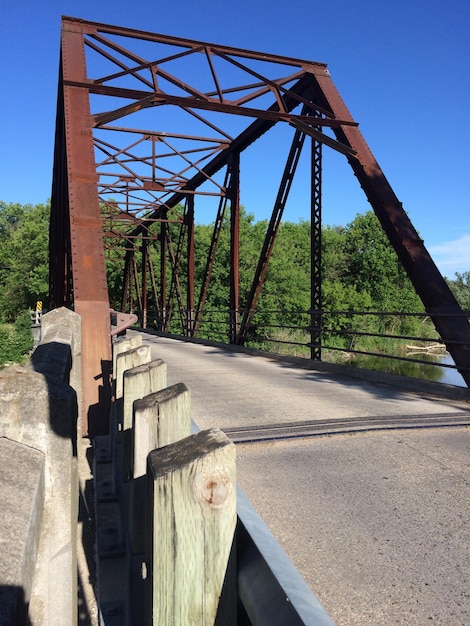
(138, 383)
(123, 344)
(160, 418)
(191, 519)
(127, 360)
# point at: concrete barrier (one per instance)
(38, 427)
(21, 472)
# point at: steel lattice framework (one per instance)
(125, 173)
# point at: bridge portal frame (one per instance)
(81, 210)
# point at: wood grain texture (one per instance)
(138, 382)
(192, 504)
(123, 344)
(160, 418)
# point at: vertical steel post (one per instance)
(144, 281)
(156, 299)
(234, 196)
(315, 252)
(163, 253)
(126, 284)
(190, 267)
(218, 225)
(90, 291)
(60, 253)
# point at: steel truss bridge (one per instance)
(149, 127)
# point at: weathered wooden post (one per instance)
(121, 345)
(191, 518)
(160, 418)
(127, 360)
(138, 382)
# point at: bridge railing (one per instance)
(173, 529)
(391, 341)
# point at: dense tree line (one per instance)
(24, 262)
(360, 272)
(23, 274)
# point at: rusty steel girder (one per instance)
(150, 127)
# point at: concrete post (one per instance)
(39, 409)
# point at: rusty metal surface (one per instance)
(151, 127)
(430, 285)
(90, 294)
(271, 233)
(123, 322)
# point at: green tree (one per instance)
(460, 287)
(287, 285)
(24, 236)
(373, 266)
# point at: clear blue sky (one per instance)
(403, 69)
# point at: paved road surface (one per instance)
(377, 522)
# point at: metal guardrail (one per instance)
(293, 336)
(270, 588)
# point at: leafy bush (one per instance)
(16, 340)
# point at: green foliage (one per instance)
(461, 289)
(16, 340)
(24, 251)
(287, 286)
(360, 273)
(373, 266)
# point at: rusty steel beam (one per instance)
(144, 251)
(271, 233)
(126, 288)
(189, 45)
(190, 266)
(251, 134)
(90, 292)
(134, 187)
(154, 288)
(176, 264)
(60, 254)
(163, 272)
(316, 251)
(143, 101)
(211, 254)
(439, 302)
(233, 195)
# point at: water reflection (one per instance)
(451, 376)
(424, 371)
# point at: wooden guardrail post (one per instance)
(138, 382)
(160, 418)
(128, 359)
(121, 345)
(191, 519)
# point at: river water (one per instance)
(450, 376)
(427, 370)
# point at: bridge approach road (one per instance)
(374, 514)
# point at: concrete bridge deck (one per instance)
(377, 521)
